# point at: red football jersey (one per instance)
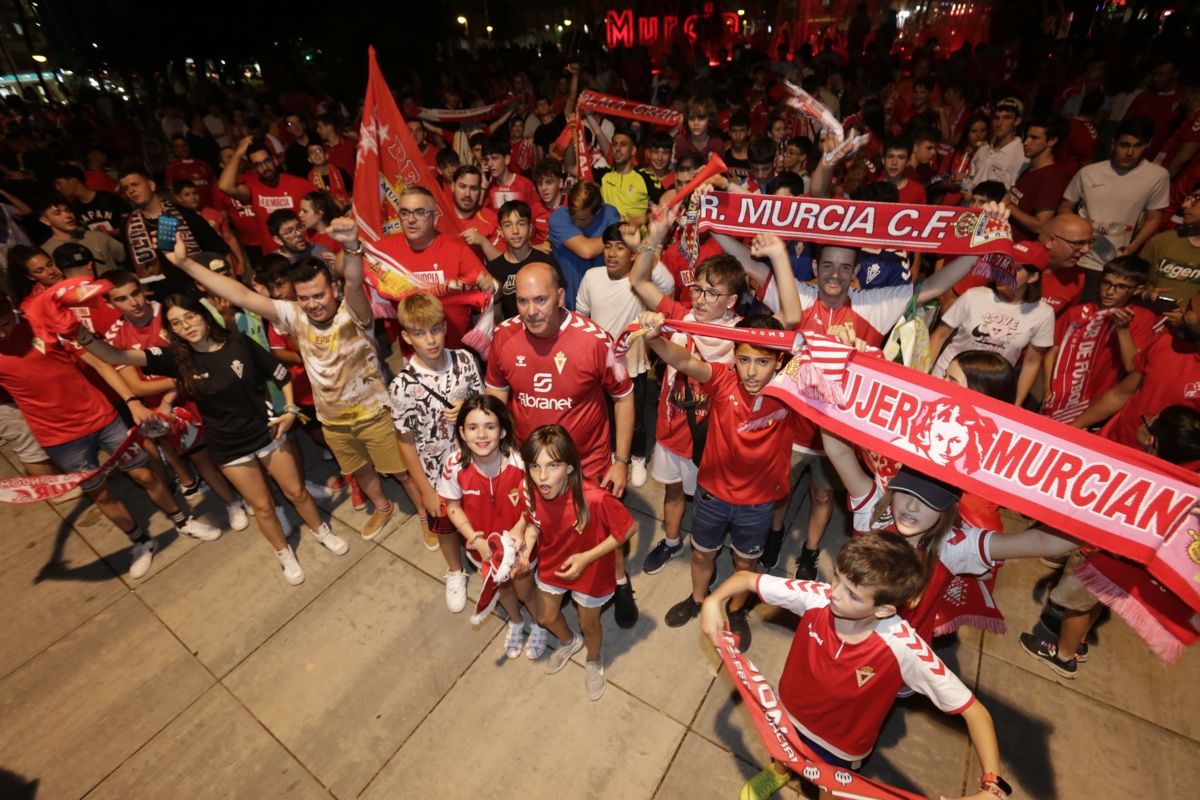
(125, 335)
(1170, 369)
(674, 259)
(519, 188)
(560, 380)
(447, 258)
(747, 455)
(494, 504)
(838, 694)
(558, 538)
(196, 171)
(301, 386)
(286, 193)
(54, 396)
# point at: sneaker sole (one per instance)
(1049, 664)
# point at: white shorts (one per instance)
(263, 453)
(584, 600)
(667, 467)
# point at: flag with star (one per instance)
(388, 161)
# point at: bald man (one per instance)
(1067, 238)
(553, 366)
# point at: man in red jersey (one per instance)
(1033, 199)
(480, 227)
(436, 258)
(266, 190)
(73, 422)
(186, 168)
(552, 365)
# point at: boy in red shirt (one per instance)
(850, 656)
(1095, 343)
(896, 155)
(744, 468)
(505, 184)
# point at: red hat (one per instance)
(1031, 254)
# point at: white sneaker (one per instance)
(593, 679)
(333, 543)
(637, 472)
(143, 554)
(239, 520)
(198, 530)
(456, 591)
(291, 567)
(514, 641)
(318, 491)
(535, 645)
(284, 522)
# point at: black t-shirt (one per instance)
(233, 395)
(547, 132)
(505, 273)
(106, 212)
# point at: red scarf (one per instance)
(1071, 384)
(1105, 494)
(333, 182)
(611, 106)
(583, 156)
(476, 114)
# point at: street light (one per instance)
(462, 20)
(39, 58)
(567, 22)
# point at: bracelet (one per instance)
(648, 248)
(474, 538)
(354, 251)
(292, 409)
(625, 461)
(130, 399)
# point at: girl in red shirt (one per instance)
(481, 487)
(579, 526)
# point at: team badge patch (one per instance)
(864, 674)
(560, 361)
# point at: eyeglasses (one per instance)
(711, 295)
(1147, 420)
(186, 318)
(266, 162)
(419, 213)
(1117, 287)
(1192, 198)
(292, 231)
(1074, 244)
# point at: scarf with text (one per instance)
(610, 106)
(1085, 343)
(1108, 495)
(462, 115)
(947, 230)
(782, 740)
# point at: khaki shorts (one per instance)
(372, 441)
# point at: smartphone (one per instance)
(167, 228)
(1164, 304)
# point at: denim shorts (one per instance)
(83, 454)
(748, 525)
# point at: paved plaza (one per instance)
(213, 678)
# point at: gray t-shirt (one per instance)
(1116, 200)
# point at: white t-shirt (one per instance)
(1108, 197)
(991, 164)
(982, 321)
(612, 305)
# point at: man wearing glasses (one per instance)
(266, 190)
(435, 258)
(1067, 238)
(289, 233)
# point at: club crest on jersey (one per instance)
(520, 360)
(514, 497)
(864, 674)
(237, 368)
(560, 361)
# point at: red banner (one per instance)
(784, 743)
(610, 106)
(388, 162)
(583, 155)
(852, 223)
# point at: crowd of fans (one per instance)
(257, 320)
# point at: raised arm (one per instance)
(672, 354)
(345, 231)
(227, 182)
(757, 270)
(647, 254)
(771, 247)
(954, 271)
(839, 452)
(235, 292)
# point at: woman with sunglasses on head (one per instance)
(226, 374)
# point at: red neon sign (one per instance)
(623, 29)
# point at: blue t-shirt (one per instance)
(562, 229)
(876, 268)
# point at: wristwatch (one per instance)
(354, 251)
(625, 461)
(994, 784)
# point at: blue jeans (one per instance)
(83, 454)
(748, 525)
